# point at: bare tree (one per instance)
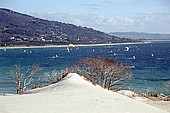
(52, 77)
(23, 80)
(103, 71)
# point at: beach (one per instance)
(74, 95)
(78, 45)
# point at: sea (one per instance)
(150, 63)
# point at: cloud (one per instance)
(90, 5)
(108, 2)
(155, 22)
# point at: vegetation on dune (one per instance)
(99, 70)
(52, 77)
(103, 71)
(23, 80)
(106, 72)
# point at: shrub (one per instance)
(103, 71)
(51, 77)
(23, 80)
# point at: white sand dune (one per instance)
(73, 95)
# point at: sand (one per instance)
(165, 105)
(73, 95)
(77, 45)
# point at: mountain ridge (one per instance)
(142, 35)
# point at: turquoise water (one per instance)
(150, 63)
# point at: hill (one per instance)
(17, 28)
(141, 35)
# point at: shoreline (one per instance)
(78, 45)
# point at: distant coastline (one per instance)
(161, 40)
(50, 46)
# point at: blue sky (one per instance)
(104, 15)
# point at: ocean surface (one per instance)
(150, 63)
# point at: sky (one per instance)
(151, 16)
